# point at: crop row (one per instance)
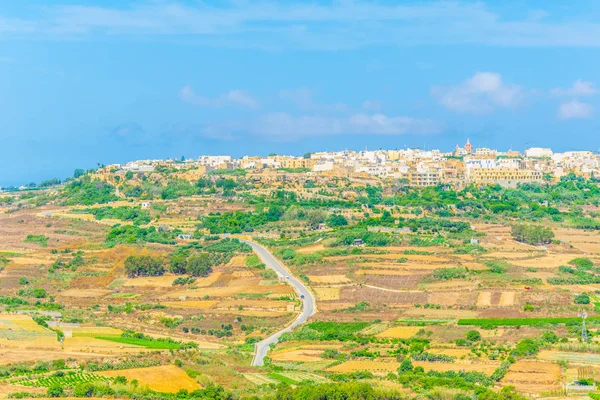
(492, 322)
(65, 380)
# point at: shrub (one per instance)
(582, 298)
(526, 347)
(55, 390)
(473, 336)
(582, 263)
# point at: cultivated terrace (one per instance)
(143, 287)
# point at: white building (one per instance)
(538, 152)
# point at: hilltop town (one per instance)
(413, 167)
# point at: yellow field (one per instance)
(325, 293)
(237, 261)
(191, 304)
(458, 353)
(243, 274)
(549, 261)
(167, 281)
(29, 260)
(328, 278)
(91, 330)
(9, 356)
(166, 378)
(382, 367)
(507, 299)
(486, 368)
(302, 355)
(310, 249)
(400, 332)
(445, 298)
(88, 344)
(394, 256)
(21, 323)
(441, 314)
(267, 304)
(250, 313)
(85, 293)
(533, 376)
(484, 299)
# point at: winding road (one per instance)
(308, 307)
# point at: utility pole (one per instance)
(584, 336)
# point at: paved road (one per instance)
(308, 308)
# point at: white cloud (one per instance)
(575, 109)
(371, 105)
(303, 99)
(579, 88)
(481, 93)
(233, 97)
(286, 127)
(333, 25)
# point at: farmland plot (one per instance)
(165, 378)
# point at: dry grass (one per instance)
(533, 376)
(325, 293)
(507, 299)
(377, 367)
(484, 299)
(328, 278)
(301, 355)
(237, 261)
(91, 330)
(166, 378)
(9, 356)
(310, 249)
(166, 281)
(400, 332)
(486, 368)
(85, 294)
(191, 304)
(549, 261)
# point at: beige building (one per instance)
(508, 176)
(298, 163)
(424, 178)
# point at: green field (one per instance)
(151, 344)
(493, 322)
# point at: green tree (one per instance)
(337, 220)
(199, 265)
(405, 366)
(143, 266)
(473, 336)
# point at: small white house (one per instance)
(146, 204)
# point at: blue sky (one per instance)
(110, 81)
